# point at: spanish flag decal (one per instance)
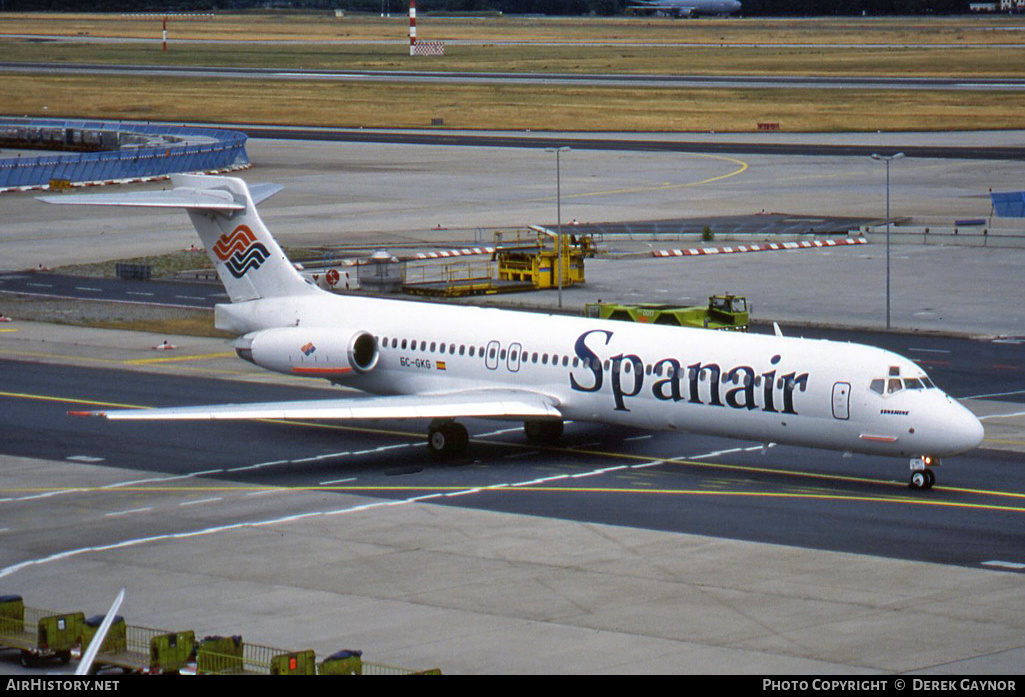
(441, 365)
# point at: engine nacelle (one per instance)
(312, 352)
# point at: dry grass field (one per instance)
(324, 26)
(963, 48)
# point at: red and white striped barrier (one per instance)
(445, 254)
(768, 247)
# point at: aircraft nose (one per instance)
(965, 431)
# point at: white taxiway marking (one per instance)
(337, 481)
(128, 512)
(925, 350)
(1004, 564)
(249, 525)
(995, 394)
(1002, 416)
(196, 503)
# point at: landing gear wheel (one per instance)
(543, 432)
(922, 479)
(448, 439)
(918, 480)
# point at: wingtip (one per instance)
(87, 413)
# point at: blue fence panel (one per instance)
(1010, 204)
(225, 150)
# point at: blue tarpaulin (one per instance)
(1009, 205)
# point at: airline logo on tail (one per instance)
(240, 251)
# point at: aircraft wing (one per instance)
(511, 404)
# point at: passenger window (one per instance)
(433, 345)
(462, 349)
(404, 343)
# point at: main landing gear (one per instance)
(449, 439)
(546, 432)
(922, 476)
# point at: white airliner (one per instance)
(444, 362)
(687, 8)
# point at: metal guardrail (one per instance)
(221, 150)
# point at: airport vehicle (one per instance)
(446, 362)
(140, 649)
(38, 634)
(687, 8)
(724, 311)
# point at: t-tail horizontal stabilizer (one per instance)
(249, 262)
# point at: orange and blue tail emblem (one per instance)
(240, 251)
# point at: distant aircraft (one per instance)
(445, 362)
(687, 8)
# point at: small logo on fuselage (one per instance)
(240, 251)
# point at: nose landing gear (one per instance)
(922, 476)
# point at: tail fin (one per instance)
(248, 260)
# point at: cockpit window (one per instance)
(891, 385)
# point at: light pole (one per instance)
(558, 209)
(887, 159)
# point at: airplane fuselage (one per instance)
(818, 393)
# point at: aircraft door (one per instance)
(842, 400)
(513, 362)
(491, 355)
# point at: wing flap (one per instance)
(512, 404)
